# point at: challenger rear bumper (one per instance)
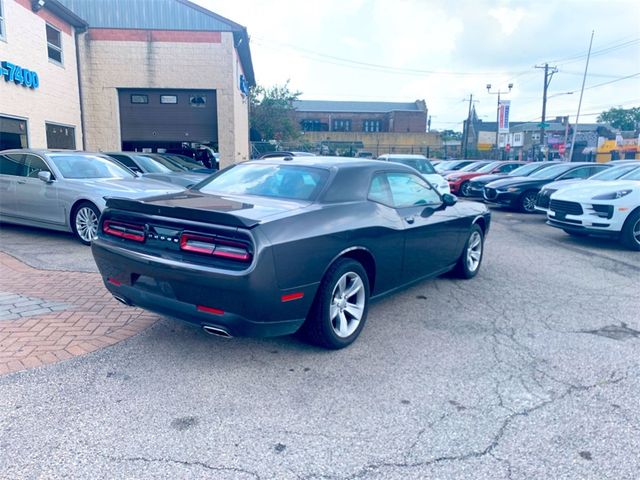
(247, 303)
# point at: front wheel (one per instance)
(630, 235)
(469, 262)
(465, 189)
(527, 201)
(339, 311)
(84, 222)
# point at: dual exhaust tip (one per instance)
(211, 330)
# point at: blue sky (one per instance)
(442, 51)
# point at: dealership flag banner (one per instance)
(503, 116)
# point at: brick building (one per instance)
(39, 99)
(145, 78)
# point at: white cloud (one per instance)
(508, 18)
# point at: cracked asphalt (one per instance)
(531, 370)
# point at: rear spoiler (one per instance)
(193, 214)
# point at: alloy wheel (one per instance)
(347, 304)
(474, 251)
(86, 224)
(636, 232)
(464, 189)
(529, 203)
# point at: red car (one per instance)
(459, 181)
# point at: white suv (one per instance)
(604, 208)
(422, 165)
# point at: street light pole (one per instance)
(499, 92)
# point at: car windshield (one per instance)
(158, 164)
(277, 181)
(74, 166)
(488, 168)
(442, 166)
(613, 173)
(525, 170)
(634, 175)
(473, 167)
(551, 172)
(183, 161)
(420, 164)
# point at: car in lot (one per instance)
(601, 208)
(270, 247)
(614, 173)
(65, 190)
(459, 182)
(158, 167)
(521, 193)
(188, 163)
(452, 165)
(421, 164)
(477, 184)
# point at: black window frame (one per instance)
(48, 124)
(139, 95)
(169, 103)
(52, 46)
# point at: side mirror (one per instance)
(449, 200)
(45, 176)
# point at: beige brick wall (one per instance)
(56, 100)
(108, 65)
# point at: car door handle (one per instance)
(22, 181)
(410, 219)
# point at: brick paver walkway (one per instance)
(47, 316)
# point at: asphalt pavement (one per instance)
(530, 370)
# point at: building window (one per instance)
(310, 125)
(372, 125)
(169, 99)
(517, 138)
(54, 44)
(198, 101)
(13, 133)
(61, 136)
(3, 36)
(136, 98)
(342, 125)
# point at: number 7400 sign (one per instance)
(19, 75)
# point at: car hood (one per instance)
(508, 182)
(563, 183)
(127, 187)
(234, 210)
(585, 191)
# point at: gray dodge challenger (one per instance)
(276, 246)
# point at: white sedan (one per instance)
(610, 209)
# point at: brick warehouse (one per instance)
(117, 75)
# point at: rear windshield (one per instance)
(613, 173)
(635, 175)
(527, 169)
(88, 166)
(488, 167)
(277, 181)
(158, 164)
(472, 167)
(551, 172)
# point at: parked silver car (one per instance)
(65, 190)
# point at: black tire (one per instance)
(527, 201)
(320, 328)
(574, 234)
(464, 189)
(464, 267)
(81, 215)
(630, 234)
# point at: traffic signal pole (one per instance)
(547, 81)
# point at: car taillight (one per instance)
(124, 230)
(214, 246)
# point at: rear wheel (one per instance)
(84, 222)
(469, 262)
(339, 312)
(527, 202)
(630, 235)
(465, 189)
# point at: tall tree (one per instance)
(622, 118)
(271, 112)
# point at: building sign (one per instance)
(503, 116)
(18, 75)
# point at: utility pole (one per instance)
(466, 130)
(584, 79)
(547, 81)
(499, 92)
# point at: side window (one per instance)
(127, 162)
(583, 172)
(408, 190)
(508, 167)
(379, 191)
(596, 169)
(33, 165)
(10, 164)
